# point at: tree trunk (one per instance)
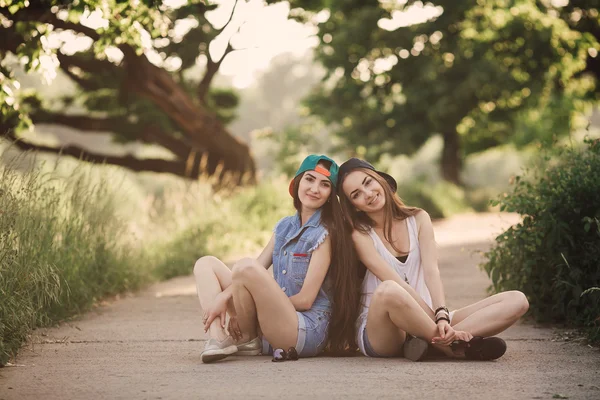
(451, 162)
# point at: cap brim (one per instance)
(390, 180)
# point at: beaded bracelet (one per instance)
(447, 319)
(444, 308)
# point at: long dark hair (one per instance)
(342, 274)
(394, 209)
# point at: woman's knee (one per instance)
(246, 268)
(519, 300)
(204, 263)
(392, 294)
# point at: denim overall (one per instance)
(294, 245)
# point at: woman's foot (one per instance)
(480, 348)
(215, 350)
(250, 348)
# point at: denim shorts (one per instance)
(313, 326)
(369, 350)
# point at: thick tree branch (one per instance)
(188, 168)
(149, 134)
(89, 64)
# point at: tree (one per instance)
(469, 71)
(119, 89)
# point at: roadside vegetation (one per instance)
(553, 255)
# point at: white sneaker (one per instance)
(215, 350)
(250, 348)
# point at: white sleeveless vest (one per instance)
(411, 271)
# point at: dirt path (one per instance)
(148, 347)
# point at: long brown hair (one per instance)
(342, 274)
(393, 210)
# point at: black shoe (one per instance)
(482, 348)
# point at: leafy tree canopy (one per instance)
(478, 72)
(137, 78)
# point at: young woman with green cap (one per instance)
(294, 310)
(402, 293)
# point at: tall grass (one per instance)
(62, 247)
(74, 233)
(226, 225)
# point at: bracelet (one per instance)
(442, 315)
(444, 308)
(442, 319)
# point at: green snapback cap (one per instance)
(311, 162)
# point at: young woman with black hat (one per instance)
(402, 292)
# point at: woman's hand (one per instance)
(463, 335)
(447, 334)
(217, 309)
(234, 328)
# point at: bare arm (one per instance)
(317, 270)
(429, 259)
(266, 256)
(380, 268)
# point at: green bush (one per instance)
(553, 255)
(62, 248)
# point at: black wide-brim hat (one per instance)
(354, 163)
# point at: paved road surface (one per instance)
(148, 346)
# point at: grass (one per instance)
(72, 234)
(62, 248)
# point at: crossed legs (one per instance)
(261, 303)
(212, 277)
(490, 316)
(257, 301)
(394, 312)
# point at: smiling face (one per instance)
(313, 190)
(364, 191)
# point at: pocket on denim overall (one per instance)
(324, 322)
(317, 330)
(300, 263)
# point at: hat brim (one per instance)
(389, 179)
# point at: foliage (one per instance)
(137, 68)
(553, 254)
(473, 71)
(63, 247)
(238, 225)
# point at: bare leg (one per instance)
(257, 296)
(491, 316)
(212, 277)
(392, 313)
